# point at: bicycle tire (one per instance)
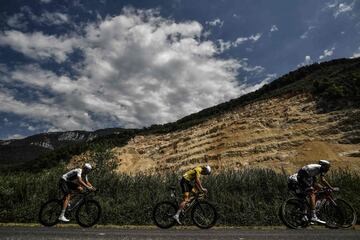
(50, 212)
(198, 213)
(351, 216)
(90, 209)
(163, 213)
(338, 215)
(292, 212)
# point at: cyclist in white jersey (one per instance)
(306, 177)
(74, 180)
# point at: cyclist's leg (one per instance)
(66, 198)
(185, 188)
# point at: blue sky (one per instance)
(86, 65)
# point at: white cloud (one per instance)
(274, 28)
(343, 8)
(340, 8)
(307, 32)
(252, 38)
(356, 53)
(45, 18)
(307, 61)
(226, 45)
(138, 69)
(39, 46)
(327, 53)
(215, 22)
(45, 1)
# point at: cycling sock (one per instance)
(62, 213)
(178, 212)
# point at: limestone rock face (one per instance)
(281, 133)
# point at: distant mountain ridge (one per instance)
(18, 151)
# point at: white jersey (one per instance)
(73, 175)
(312, 170)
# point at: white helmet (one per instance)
(325, 165)
(207, 169)
(87, 166)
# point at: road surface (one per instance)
(56, 233)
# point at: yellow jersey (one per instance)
(193, 173)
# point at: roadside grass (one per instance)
(249, 197)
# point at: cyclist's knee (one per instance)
(186, 196)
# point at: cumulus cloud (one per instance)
(137, 69)
(215, 22)
(38, 45)
(327, 53)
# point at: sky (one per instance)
(86, 65)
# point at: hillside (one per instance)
(309, 114)
(303, 116)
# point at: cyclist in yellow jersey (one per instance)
(187, 186)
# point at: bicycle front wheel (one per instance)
(294, 213)
(163, 214)
(338, 214)
(204, 215)
(88, 213)
(50, 212)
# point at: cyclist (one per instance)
(306, 177)
(186, 186)
(74, 180)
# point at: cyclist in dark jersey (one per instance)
(74, 180)
(306, 177)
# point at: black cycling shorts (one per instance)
(185, 185)
(66, 187)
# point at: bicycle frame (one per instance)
(193, 199)
(83, 197)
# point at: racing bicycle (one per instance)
(87, 210)
(203, 213)
(295, 212)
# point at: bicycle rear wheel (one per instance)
(204, 215)
(294, 213)
(163, 214)
(50, 212)
(88, 213)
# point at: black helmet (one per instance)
(325, 165)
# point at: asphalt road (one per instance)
(42, 233)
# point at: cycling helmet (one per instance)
(207, 169)
(325, 165)
(87, 166)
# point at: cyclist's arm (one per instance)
(198, 184)
(323, 180)
(89, 186)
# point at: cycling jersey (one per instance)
(73, 175)
(312, 170)
(307, 175)
(193, 173)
